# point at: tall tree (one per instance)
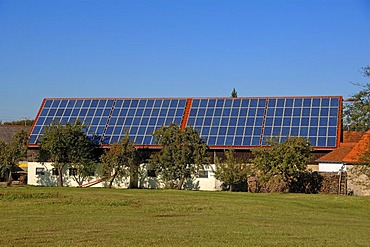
(234, 94)
(183, 153)
(356, 113)
(356, 117)
(120, 160)
(11, 153)
(66, 146)
(286, 160)
(231, 171)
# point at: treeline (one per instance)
(26, 122)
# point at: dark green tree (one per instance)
(183, 153)
(67, 146)
(356, 113)
(234, 94)
(231, 171)
(11, 153)
(284, 161)
(121, 160)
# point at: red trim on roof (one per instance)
(339, 127)
(185, 117)
(193, 98)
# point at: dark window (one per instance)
(203, 174)
(40, 171)
(72, 172)
(151, 173)
(55, 172)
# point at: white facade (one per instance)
(332, 167)
(42, 174)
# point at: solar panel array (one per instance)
(251, 122)
(239, 122)
(110, 118)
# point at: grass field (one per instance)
(41, 216)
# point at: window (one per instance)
(203, 174)
(40, 171)
(151, 173)
(72, 172)
(55, 172)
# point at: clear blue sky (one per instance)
(178, 48)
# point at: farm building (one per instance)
(241, 124)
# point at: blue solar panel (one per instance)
(250, 122)
(244, 122)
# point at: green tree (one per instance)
(356, 113)
(120, 160)
(356, 117)
(284, 161)
(11, 153)
(67, 146)
(183, 153)
(234, 94)
(231, 171)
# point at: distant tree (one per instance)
(284, 161)
(67, 146)
(12, 153)
(25, 122)
(183, 154)
(356, 113)
(231, 171)
(120, 159)
(234, 94)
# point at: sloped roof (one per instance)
(352, 136)
(337, 155)
(222, 122)
(8, 131)
(355, 143)
(354, 155)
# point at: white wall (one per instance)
(210, 183)
(332, 167)
(52, 180)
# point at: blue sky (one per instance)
(183, 48)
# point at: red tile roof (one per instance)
(350, 151)
(337, 155)
(352, 136)
(359, 149)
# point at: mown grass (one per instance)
(40, 216)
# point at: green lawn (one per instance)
(34, 216)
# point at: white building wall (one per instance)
(210, 183)
(47, 179)
(332, 167)
(197, 183)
